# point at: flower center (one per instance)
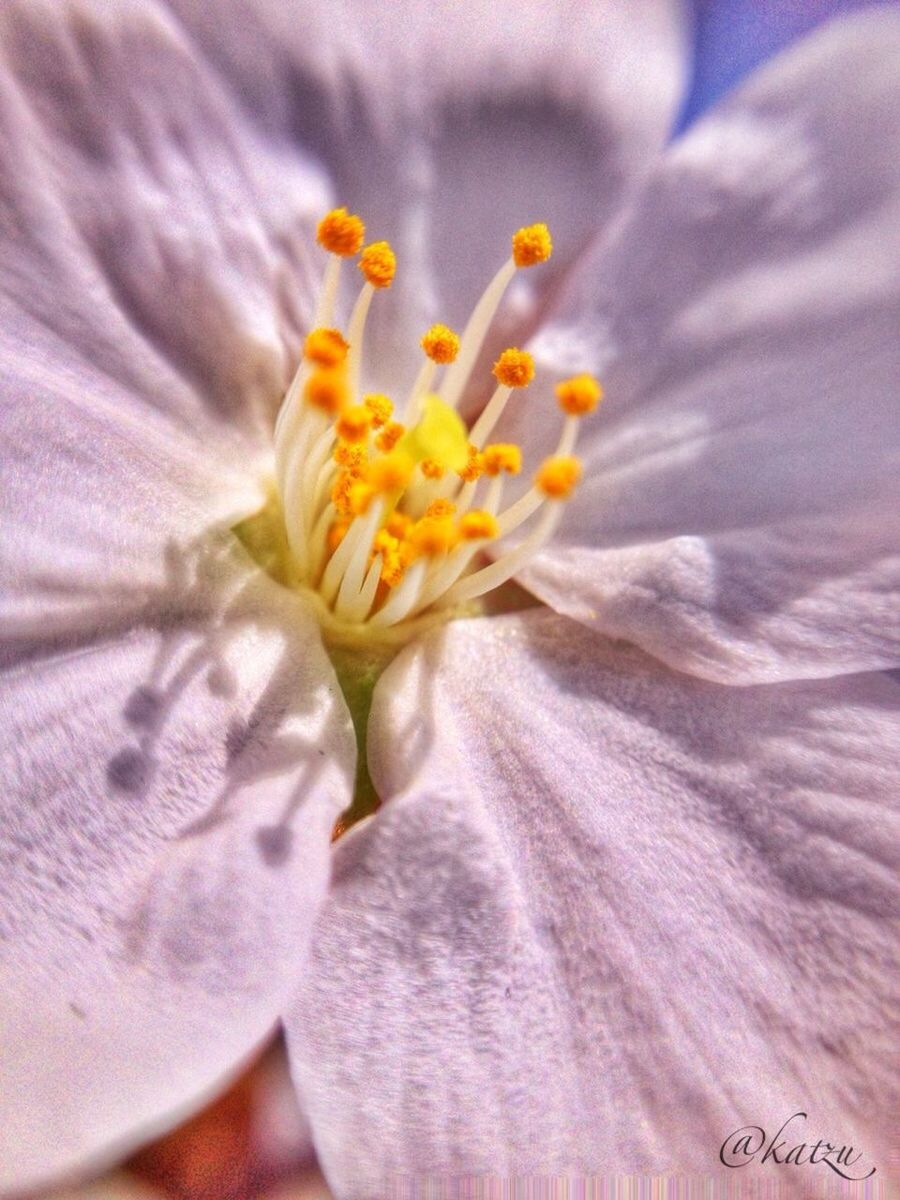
(388, 502)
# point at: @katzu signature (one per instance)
(751, 1143)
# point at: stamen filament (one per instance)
(357, 608)
(350, 590)
(568, 437)
(359, 534)
(290, 483)
(355, 333)
(402, 598)
(325, 307)
(420, 388)
(504, 568)
(520, 511)
(493, 410)
(473, 335)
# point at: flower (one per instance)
(631, 882)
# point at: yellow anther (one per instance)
(385, 543)
(441, 344)
(579, 395)
(440, 508)
(325, 347)
(431, 469)
(340, 493)
(474, 467)
(378, 264)
(341, 233)
(393, 568)
(531, 244)
(557, 477)
(336, 532)
(353, 424)
(380, 407)
(514, 368)
(500, 457)
(326, 389)
(397, 524)
(390, 473)
(433, 535)
(476, 525)
(352, 458)
(360, 496)
(390, 436)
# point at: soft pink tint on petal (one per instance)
(168, 801)
(612, 914)
(448, 125)
(740, 511)
(147, 223)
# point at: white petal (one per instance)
(108, 503)
(449, 125)
(740, 515)
(148, 225)
(609, 915)
(167, 805)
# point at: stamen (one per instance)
(390, 436)
(558, 476)
(331, 282)
(378, 264)
(441, 346)
(432, 536)
(355, 544)
(402, 598)
(391, 473)
(325, 347)
(478, 525)
(530, 245)
(513, 369)
(502, 457)
(354, 423)
(504, 568)
(341, 233)
(579, 395)
(327, 390)
(379, 514)
(380, 407)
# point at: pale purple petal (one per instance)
(447, 126)
(609, 914)
(107, 501)
(167, 806)
(147, 224)
(740, 514)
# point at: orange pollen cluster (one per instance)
(389, 501)
(514, 368)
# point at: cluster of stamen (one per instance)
(386, 506)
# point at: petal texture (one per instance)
(167, 805)
(109, 507)
(447, 126)
(147, 224)
(740, 515)
(612, 914)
